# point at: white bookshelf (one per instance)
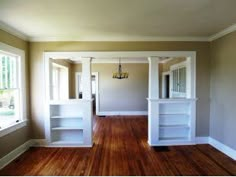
(69, 123)
(175, 121)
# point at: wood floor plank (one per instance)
(224, 161)
(121, 148)
(203, 161)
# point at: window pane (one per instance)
(175, 80)
(9, 107)
(9, 91)
(182, 80)
(8, 71)
(60, 82)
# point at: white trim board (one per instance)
(119, 39)
(14, 154)
(116, 61)
(202, 140)
(80, 56)
(223, 148)
(222, 33)
(218, 145)
(13, 128)
(14, 31)
(123, 113)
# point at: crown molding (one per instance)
(223, 33)
(13, 31)
(120, 39)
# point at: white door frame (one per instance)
(78, 74)
(164, 74)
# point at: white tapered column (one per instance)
(153, 105)
(87, 98)
(86, 78)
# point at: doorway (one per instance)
(166, 85)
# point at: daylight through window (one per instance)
(9, 90)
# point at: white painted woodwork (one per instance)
(153, 89)
(153, 93)
(161, 129)
(86, 78)
(176, 121)
(172, 121)
(68, 122)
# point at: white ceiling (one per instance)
(116, 20)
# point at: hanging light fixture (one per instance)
(120, 74)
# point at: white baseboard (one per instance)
(39, 142)
(42, 143)
(202, 140)
(15, 153)
(223, 148)
(123, 113)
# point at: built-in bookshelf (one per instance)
(176, 121)
(68, 123)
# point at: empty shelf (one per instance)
(67, 128)
(66, 117)
(176, 113)
(175, 126)
(67, 142)
(173, 138)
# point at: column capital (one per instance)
(153, 58)
(85, 59)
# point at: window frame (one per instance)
(177, 67)
(60, 69)
(22, 88)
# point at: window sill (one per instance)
(12, 128)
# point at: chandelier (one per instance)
(120, 74)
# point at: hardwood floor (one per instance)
(120, 148)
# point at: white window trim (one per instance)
(13, 128)
(178, 66)
(23, 113)
(67, 81)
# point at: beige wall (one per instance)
(13, 140)
(37, 68)
(223, 88)
(121, 95)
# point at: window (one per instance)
(178, 81)
(12, 101)
(60, 82)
